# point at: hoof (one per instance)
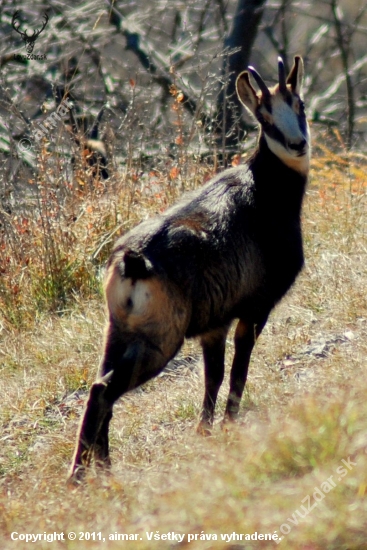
(227, 422)
(204, 428)
(103, 463)
(76, 476)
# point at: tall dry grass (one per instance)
(303, 412)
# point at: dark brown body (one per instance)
(229, 251)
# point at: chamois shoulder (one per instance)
(196, 212)
(226, 182)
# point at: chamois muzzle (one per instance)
(300, 147)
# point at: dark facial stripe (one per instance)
(274, 133)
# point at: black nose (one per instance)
(298, 146)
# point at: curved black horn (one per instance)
(259, 81)
(282, 76)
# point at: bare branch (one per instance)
(343, 46)
(134, 43)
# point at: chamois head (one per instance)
(280, 112)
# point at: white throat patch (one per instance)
(289, 158)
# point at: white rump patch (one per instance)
(140, 296)
(123, 294)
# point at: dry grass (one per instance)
(303, 412)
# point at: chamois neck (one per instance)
(267, 161)
(278, 188)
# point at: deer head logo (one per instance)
(29, 40)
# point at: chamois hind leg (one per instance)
(213, 345)
(101, 446)
(148, 320)
(124, 367)
(245, 337)
(92, 437)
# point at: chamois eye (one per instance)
(301, 105)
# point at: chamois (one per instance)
(228, 251)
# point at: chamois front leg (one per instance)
(213, 345)
(245, 337)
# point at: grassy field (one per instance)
(295, 464)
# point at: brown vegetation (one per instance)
(303, 412)
(304, 408)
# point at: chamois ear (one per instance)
(295, 77)
(246, 93)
